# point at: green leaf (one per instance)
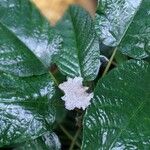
(120, 58)
(27, 42)
(119, 116)
(26, 111)
(125, 24)
(80, 55)
(48, 141)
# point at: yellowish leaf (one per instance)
(53, 10)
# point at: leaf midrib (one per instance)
(75, 37)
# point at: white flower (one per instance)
(75, 94)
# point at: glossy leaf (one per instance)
(48, 141)
(125, 23)
(28, 43)
(25, 107)
(119, 116)
(80, 55)
(15, 57)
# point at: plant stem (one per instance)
(68, 135)
(74, 139)
(110, 62)
(53, 78)
(61, 127)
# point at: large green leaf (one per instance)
(25, 107)
(119, 116)
(27, 42)
(48, 141)
(125, 23)
(80, 55)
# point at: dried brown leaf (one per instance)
(53, 10)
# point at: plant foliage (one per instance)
(36, 57)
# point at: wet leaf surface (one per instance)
(49, 141)
(80, 55)
(26, 111)
(119, 115)
(125, 23)
(28, 43)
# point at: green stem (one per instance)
(75, 139)
(61, 127)
(68, 135)
(53, 78)
(110, 62)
